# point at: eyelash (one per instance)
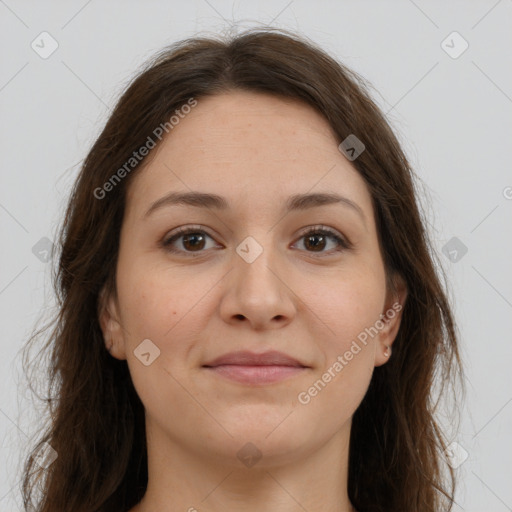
(343, 243)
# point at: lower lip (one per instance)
(256, 374)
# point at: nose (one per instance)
(258, 295)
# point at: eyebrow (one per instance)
(297, 202)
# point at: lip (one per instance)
(251, 368)
(247, 358)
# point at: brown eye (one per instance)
(317, 239)
(316, 242)
(193, 240)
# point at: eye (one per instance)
(194, 240)
(317, 238)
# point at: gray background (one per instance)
(453, 116)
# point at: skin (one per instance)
(255, 150)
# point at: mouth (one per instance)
(256, 369)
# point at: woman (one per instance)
(250, 315)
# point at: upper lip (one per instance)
(247, 358)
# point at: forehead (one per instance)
(250, 145)
(267, 126)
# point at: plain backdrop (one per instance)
(447, 95)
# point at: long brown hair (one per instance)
(396, 460)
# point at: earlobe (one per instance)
(391, 318)
(110, 325)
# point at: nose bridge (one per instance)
(256, 289)
(256, 264)
(256, 260)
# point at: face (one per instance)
(261, 270)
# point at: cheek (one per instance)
(347, 306)
(332, 398)
(156, 301)
(171, 308)
(160, 306)
(348, 353)
(348, 312)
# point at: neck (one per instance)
(183, 480)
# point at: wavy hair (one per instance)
(96, 425)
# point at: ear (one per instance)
(390, 317)
(110, 324)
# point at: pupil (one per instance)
(188, 238)
(316, 245)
